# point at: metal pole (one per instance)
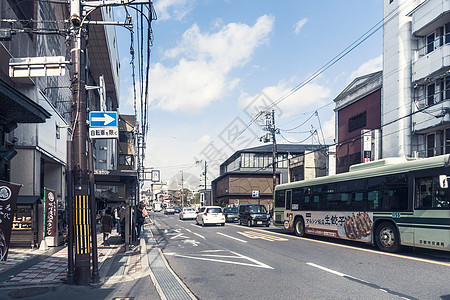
(274, 155)
(205, 184)
(69, 214)
(80, 177)
(92, 202)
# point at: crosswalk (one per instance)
(262, 236)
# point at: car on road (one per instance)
(177, 209)
(231, 214)
(210, 215)
(169, 211)
(253, 214)
(187, 213)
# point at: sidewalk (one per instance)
(25, 266)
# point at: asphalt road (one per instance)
(240, 262)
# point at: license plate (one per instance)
(259, 222)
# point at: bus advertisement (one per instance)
(389, 203)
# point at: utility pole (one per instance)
(274, 151)
(205, 182)
(182, 189)
(272, 130)
(80, 174)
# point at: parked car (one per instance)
(187, 213)
(177, 209)
(169, 211)
(253, 214)
(210, 215)
(231, 214)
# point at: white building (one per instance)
(416, 79)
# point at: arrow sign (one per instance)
(102, 119)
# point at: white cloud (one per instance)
(177, 9)
(203, 62)
(373, 65)
(299, 25)
(309, 97)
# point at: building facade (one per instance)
(416, 79)
(358, 120)
(250, 170)
(45, 103)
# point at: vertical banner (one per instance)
(51, 216)
(366, 145)
(9, 193)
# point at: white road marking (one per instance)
(232, 237)
(178, 235)
(326, 269)
(199, 235)
(354, 278)
(256, 264)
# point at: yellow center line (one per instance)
(354, 248)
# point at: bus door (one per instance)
(279, 207)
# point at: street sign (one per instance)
(255, 194)
(103, 119)
(104, 133)
(155, 175)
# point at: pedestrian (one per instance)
(139, 221)
(107, 224)
(122, 213)
(117, 218)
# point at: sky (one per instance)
(216, 63)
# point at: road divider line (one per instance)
(232, 237)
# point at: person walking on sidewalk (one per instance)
(117, 218)
(140, 218)
(107, 224)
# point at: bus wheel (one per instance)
(387, 237)
(299, 228)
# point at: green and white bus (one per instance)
(390, 203)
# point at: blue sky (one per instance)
(215, 63)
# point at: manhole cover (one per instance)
(29, 292)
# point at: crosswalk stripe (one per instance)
(257, 235)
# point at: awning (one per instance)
(17, 107)
(24, 200)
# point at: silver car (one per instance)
(210, 215)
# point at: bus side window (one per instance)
(288, 199)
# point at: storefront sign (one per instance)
(50, 212)
(8, 199)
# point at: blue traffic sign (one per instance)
(102, 119)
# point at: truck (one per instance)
(157, 206)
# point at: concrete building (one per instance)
(416, 79)
(45, 121)
(358, 119)
(250, 170)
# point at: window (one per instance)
(125, 136)
(357, 121)
(279, 199)
(447, 33)
(447, 88)
(430, 145)
(430, 43)
(430, 195)
(297, 199)
(439, 37)
(126, 160)
(447, 140)
(288, 199)
(430, 94)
